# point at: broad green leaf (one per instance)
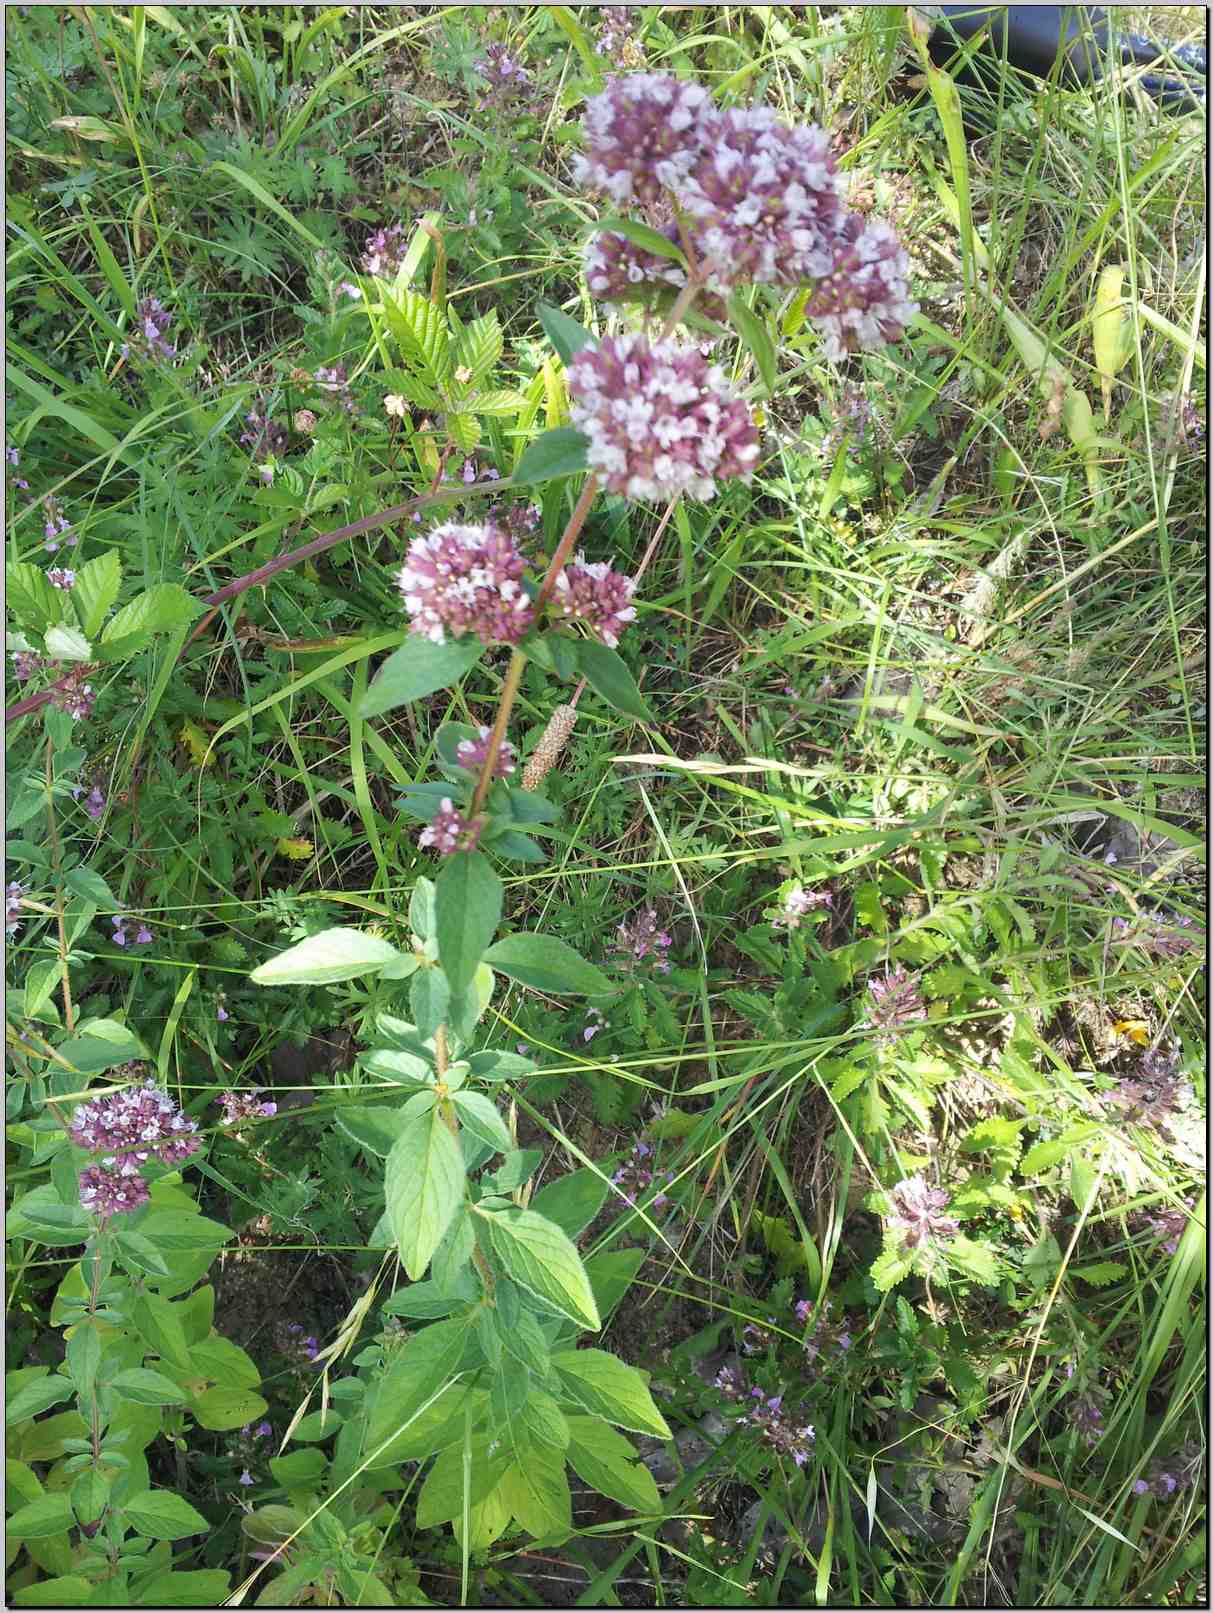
(322, 959)
(547, 964)
(479, 1115)
(136, 1253)
(611, 1273)
(90, 887)
(974, 1259)
(224, 1361)
(573, 1201)
(610, 1388)
(540, 1258)
(406, 1070)
(318, 1426)
(752, 329)
(67, 644)
(1101, 1273)
(97, 585)
(189, 1587)
(163, 1515)
(442, 1494)
(468, 897)
(148, 1388)
(608, 1463)
(418, 1372)
(564, 333)
(421, 329)
(220, 1408)
(32, 601)
(559, 452)
(65, 1590)
(157, 610)
(607, 674)
(890, 1267)
(300, 1469)
(476, 350)
(642, 235)
(537, 1492)
(422, 1300)
(36, 1397)
(424, 1186)
(48, 1515)
(423, 917)
(375, 1129)
(429, 999)
(418, 668)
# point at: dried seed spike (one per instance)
(547, 753)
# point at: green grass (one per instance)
(916, 667)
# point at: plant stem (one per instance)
(565, 547)
(69, 1013)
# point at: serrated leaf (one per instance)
(607, 673)
(1101, 1273)
(421, 329)
(33, 602)
(546, 963)
(468, 896)
(499, 403)
(477, 349)
(97, 584)
(376, 1130)
(416, 669)
(537, 1493)
(538, 1256)
(463, 429)
(559, 452)
(157, 610)
(323, 959)
(890, 1267)
(974, 1259)
(423, 1185)
(67, 644)
(607, 1387)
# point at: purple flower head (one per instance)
(641, 937)
(147, 337)
(450, 831)
(619, 271)
(94, 802)
(459, 579)
(644, 135)
(894, 1001)
(241, 1106)
(264, 438)
(916, 1210)
(471, 754)
(25, 664)
(1086, 1415)
(1156, 1099)
(1141, 1487)
(798, 903)
(12, 454)
(58, 528)
(61, 577)
(221, 1013)
(75, 695)
(263, 1430)
(332, 378)
(385, 251)
(349, 289)
(134, 1125)
(245, 1478)
(1169, 1225)
(120, 938)
(13, 893)
(617, 36)
(660, 420)
(864, 300)
(469, 472)
(766, 199)
(109, 1189)
(504, 75)
(590, 592)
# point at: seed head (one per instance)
(547, 753)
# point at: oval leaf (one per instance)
(607, 674)
(538, 1257)
(418, 668)
(564, 333)
(469, 911)
(560, 452)
(423, 1185)
(547, 964)
(163, 1515)
(322, 959)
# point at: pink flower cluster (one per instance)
(635, 1177)
(504, 75)
(241, 1106)
(385, 251)
(450, 831)
(894, 1001)
(12, 906)
(642, 937)
(471, 754)
(127, 1129)
(766, 1414)
(589, 591)
(798, 903)
(75, 695)
(466, 579)
(828, 1337)
(148, 336)
(660, 420)
(757, 201)
(916, 1211)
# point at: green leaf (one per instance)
(148, 1388)
(418, 1372)
(974, 1259)
(1054, 1149)
(376, 1129)
(442, 1494)
(477, 348)
(97, 585)
(610, 1388)
(753, 331)
(479, 1115)
(33, 601)
(424, 1186)
(572, 1201)
(1101, 1273)
(469, 910)
(221, 1408)
(537, 1492)
(157, 610)
(890, 1267)
(300, 1469)
(90, 887)
(611, 1273)
(38, 1396)
(564, 333)
(191, 1587)
(48, 1515)
(137, 1253)
(163, 1515)
(425, 1301)
(429, 999)
(65, 1590)
(644, 236)
(66, 644)
(322, 959)
(547, 964)
(423, 918)
(559, 452)
(418, 668)
(540, 1258)
(318, 1426)
(607, 1462)
(607, 674)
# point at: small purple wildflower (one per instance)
(1086, 1415)
(13, 892)
(58, 529)
(12, 455)
(766, 1414)
(385, 252)
(241, 1106)
(459, 579)
(617, 38)
(829, 1338)
(75, 695)
(641, 937)
(350, 290)
(635, 1178)
(1168, 1225)
(120, 938)
(864, 301)
(94, 802)
(147, 337)
(25, 664)
(591, 592)
(61, 577)
(643, 136)
(332, 378)
(245, 1478)
(504, 75)
(221, 1013)
(471, 753)
(798, 903)
(264, 438)
(660, 420)
(109, 1189)
(450, 831)
(916, 1211)
(894, 1001)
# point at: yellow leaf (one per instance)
(1109, 331)
(1137, 1030)
(196, 742)
(297, 850)
(557, 402)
